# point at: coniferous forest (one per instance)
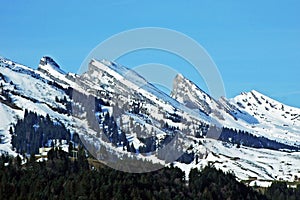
(63, 178)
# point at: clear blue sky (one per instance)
(255, 44)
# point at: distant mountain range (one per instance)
(112, 107)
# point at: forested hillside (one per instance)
(62, 178)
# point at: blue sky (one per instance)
(255, 44)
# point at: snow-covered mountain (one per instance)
(252, 112)
(113, 107)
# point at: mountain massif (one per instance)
(124, 121)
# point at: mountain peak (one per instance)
(190, 95)
(48, 65)
(257, 95)
(256, 92)
(179, 76)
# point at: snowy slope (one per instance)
(275, 120)
(124, 82)
(247, 163)
(137, 83)
(8, 118)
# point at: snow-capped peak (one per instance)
(189, 94)
(50, 70)
(257, 99)
(179, 77)
(48, 65)
(180, 80)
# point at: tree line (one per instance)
(63, 178)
